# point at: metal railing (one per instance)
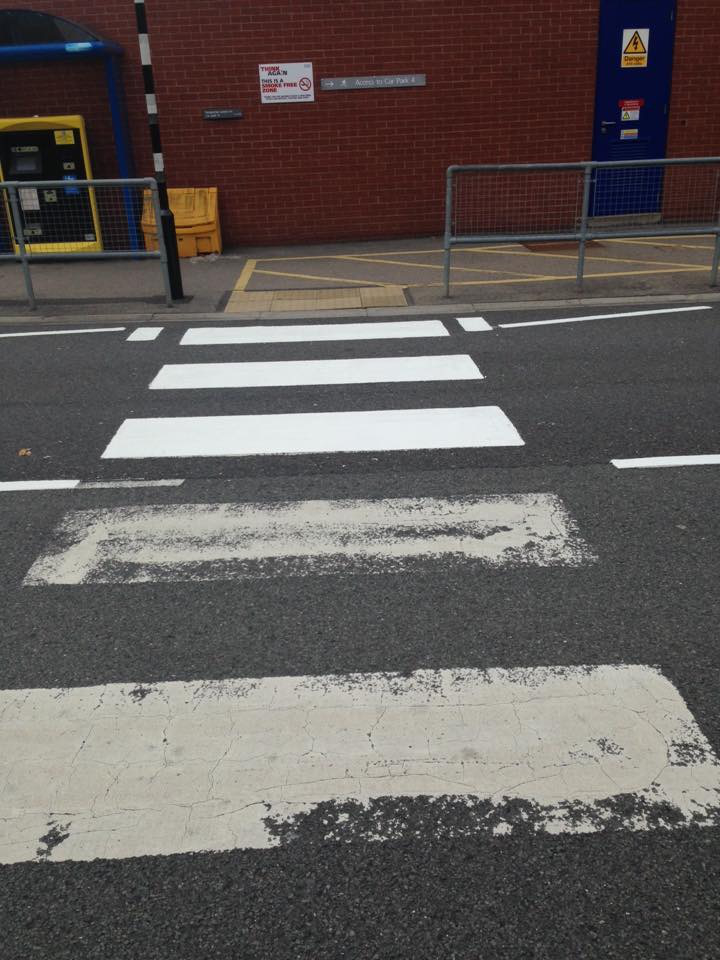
(580, 202)
(68, 220)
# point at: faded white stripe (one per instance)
(315, 332)
(128, 484)
(123, 771)
(60, 333)
(473, 324)
(215, 541)
(9, 486)
(710, 459)
(290, 373)
(295, 433)
(601, 316)
(143, 334)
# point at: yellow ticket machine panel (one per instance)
(51, 148)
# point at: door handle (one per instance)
(604, 124)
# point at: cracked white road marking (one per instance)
(120, 771)
(294, 433)
(292, 373)
(216, 541)
(313, 332)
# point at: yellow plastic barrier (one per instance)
(196, 221)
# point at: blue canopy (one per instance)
(27, 35)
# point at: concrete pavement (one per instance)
(369, 275)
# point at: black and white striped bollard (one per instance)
(167, 220)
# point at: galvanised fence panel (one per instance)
(544, 202)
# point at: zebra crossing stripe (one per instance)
(313, 332)
(297, 433)
(291, 373)
(218, 541)
(126, 770)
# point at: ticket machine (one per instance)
(57, 220)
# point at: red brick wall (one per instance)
(506, 81)
(695, 103)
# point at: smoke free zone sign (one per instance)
(286, 83)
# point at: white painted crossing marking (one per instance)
(60, 333)
(710, 459)
(315, 332)
(217, 541)
(127, 484)
(601, 316)
(474, 324)
(121, 771)
(144, 334)
(293, 433)
(12, 486)
(291, 373)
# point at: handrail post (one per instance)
(162, 245)
(716, 254)
(20, 240)
(716, 260)
(448, 231)
(587, 186)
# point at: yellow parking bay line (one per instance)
(246, 273)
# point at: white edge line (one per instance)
(17, 486)
(649, 462)
(127, 484)
(600, 316)
(58, 333)
(9, 486)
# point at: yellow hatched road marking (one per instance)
(663, 243)
(310, 276)
(569, 276)
(589, 256)
(439, 266)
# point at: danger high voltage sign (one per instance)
(635, 47)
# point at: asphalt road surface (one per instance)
(369, 660)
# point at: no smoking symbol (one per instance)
(304, 83)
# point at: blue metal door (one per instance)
(635, 52)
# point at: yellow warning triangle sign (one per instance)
(635, 44)
(626, 115)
